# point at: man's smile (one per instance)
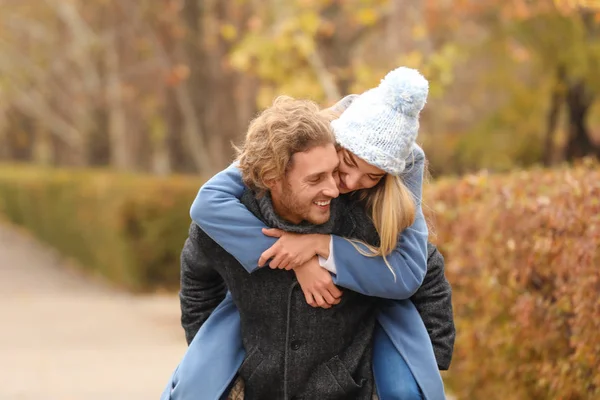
(323, 204)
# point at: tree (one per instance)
(559, 43)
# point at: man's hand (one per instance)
(317, 285)
(293, 249)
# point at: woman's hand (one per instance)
(293, 249)
(317, 285)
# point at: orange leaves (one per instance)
(177, 74)
(576, 5)
(523, 257)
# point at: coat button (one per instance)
(296, 344)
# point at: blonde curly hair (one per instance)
(287, 127)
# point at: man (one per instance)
(279, 329)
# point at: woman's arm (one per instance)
(371, 275)
(218, 211)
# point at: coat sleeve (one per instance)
(218, 210)
(433, 300)
(408, 261)
(202, 288)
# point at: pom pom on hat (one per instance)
(381, 125)
(405, 89)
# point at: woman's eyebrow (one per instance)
(352, 160)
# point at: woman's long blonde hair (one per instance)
(392, 208)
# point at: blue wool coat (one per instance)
(216, 353)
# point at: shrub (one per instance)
(127, 228)
(522, 257)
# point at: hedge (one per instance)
(127, 228)
(521, 254)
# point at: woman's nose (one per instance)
(351, 182)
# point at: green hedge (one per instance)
(127, 228)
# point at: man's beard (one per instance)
(293, 205)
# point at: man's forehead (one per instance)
(316, 160)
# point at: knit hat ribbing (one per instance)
(381, 125)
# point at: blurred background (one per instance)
(113, 113)
(165, 86)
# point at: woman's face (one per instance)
(356, 173)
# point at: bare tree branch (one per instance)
(83, 39)
(3, 133)
(33, 104)
(324, 76)
(192, 129)
(116, 113)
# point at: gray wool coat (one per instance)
(294, 351)
(433, 299)
(350, 350)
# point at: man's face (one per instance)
(310, 184)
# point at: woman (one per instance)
(370, 162)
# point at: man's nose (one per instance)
(331, 190)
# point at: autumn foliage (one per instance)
(521, 253)
(166, 86)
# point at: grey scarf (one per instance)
(263, 206)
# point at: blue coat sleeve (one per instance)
(408, 261)
(218, 211)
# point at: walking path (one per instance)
(64, 336)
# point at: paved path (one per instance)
(66, 337)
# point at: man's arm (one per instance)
(202, 288)
(433, 300)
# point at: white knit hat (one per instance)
(381, 125)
